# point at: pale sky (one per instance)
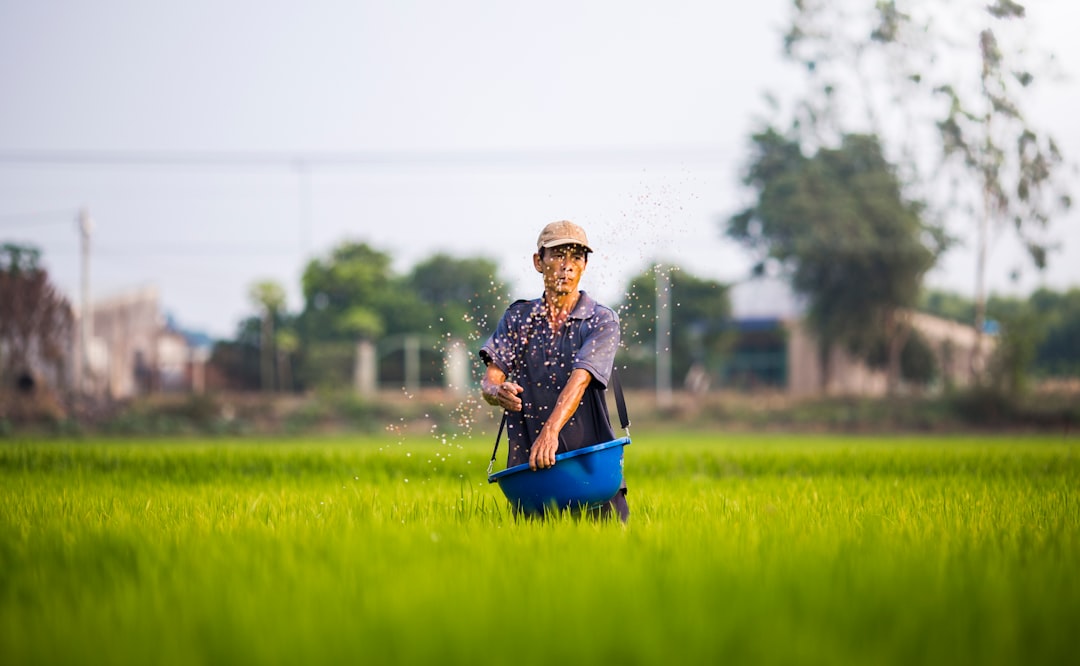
(417, 127)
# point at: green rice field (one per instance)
(741, 549)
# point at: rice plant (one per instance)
(744, 549)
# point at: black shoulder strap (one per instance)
(495, 451)
(620, 400)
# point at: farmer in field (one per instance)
(550, 359)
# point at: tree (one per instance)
(1021, 331)
(286, 342)
(353, 294)
(838, 224)
(1047, 319)
(343, 298)
(343, 294)
(269, 297)
(890, 57)
(36, 321)
(700, 310)
(947, 305)
(466, 295)
(1058, 354)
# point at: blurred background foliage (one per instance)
(446, 298)
(311, 355)
(844, 209)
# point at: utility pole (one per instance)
(663, 337)
(412, 363)
(86, 316)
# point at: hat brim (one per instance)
(564, 241)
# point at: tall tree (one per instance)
(343, 294)
(950, 75)
(1059, 353)
(838, 225)
(36, 321)
(269, 297)
(466, 295)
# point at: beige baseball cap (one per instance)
(563, 232)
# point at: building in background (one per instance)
(775, 349)
(135, 350)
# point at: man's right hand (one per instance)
(508, 396)
(499, 391)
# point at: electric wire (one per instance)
(627, 157)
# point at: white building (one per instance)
(776, 349)
(131, 350)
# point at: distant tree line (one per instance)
(353, 294)
(1038, 334)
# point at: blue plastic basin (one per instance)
(584, 478)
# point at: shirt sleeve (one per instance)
(597, 353)
(499, 348)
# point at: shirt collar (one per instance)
(584, 308)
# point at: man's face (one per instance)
(561, 267)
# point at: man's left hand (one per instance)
(542, 454)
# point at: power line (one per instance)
(195, 249)
(200, 250)
(626, 157)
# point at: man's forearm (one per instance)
(569, 399)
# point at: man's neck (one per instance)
(559, 306)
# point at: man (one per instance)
(550, 359)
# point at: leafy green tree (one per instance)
(1047, 321)
(465, 295)
(345, 300)
(700, 311)
(836, 222)
(286, 342)
(876, 67)
(1058, 354)
(353, 294)
(918, 365)
(344, 294)
(269, 297)
(1021, 330)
